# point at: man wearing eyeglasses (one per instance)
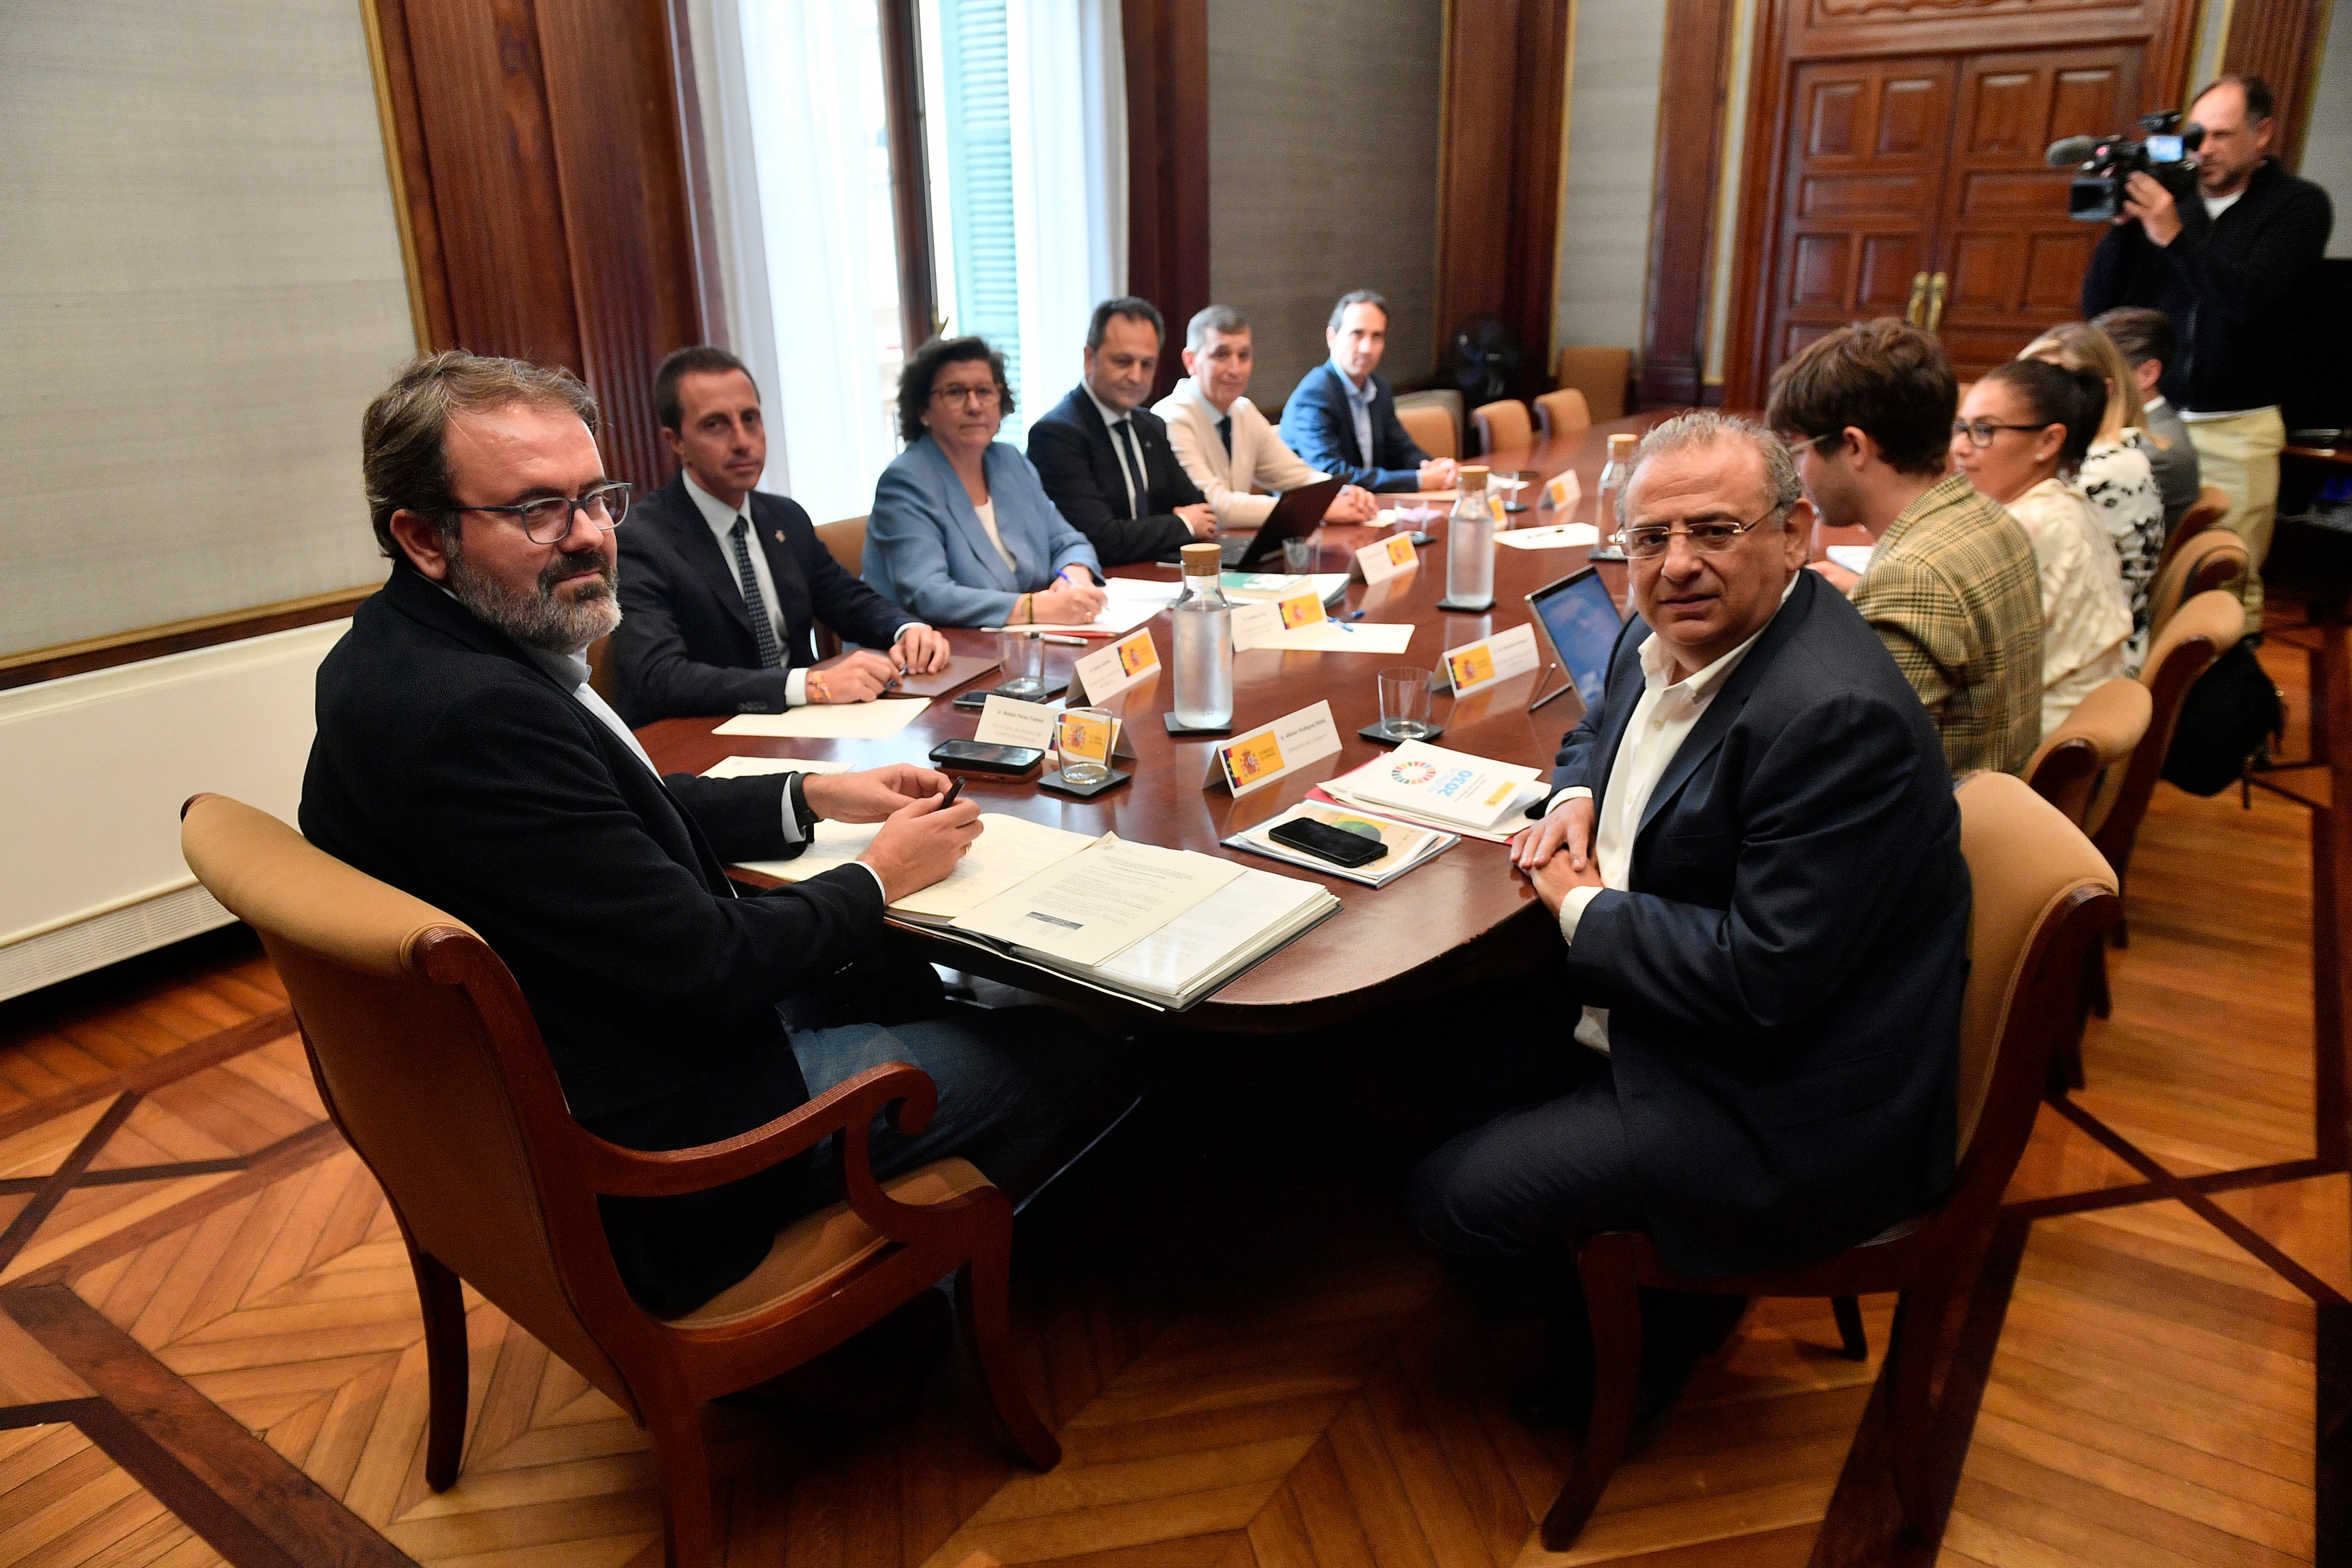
(723, 585)
(1753, 856)
(462, 756)
(1951, 587)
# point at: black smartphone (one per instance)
(1325, 842)
(979, 757)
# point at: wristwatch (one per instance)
(797, 796)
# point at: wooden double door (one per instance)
(1916, 186)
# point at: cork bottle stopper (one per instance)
(1203, 560)
(1474, 476)
(1622, 447)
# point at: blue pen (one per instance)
(1355, 614)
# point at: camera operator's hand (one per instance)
(2145, 198)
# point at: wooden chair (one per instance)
(603, 674)
(2213, 559)
(430, 1063)
(846, 542)
(1601, 375)
(2042, 897)
(2104, 729)
(1561, 413)
(2202, 632)
(1432, 428)
(1503, 424)
(2212, 505)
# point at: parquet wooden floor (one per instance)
(210, 1349)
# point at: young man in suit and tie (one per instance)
(1222, 440)
(1105, 459)
(1753, 856)
(1342, 419)
(462, 757)
(723, 585)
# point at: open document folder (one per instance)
(1160, 926)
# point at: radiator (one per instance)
(92, 772)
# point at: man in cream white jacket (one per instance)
(1224, 443)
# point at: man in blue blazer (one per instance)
(1342, 417)
(722, 586)
(1752, 852)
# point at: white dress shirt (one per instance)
(1359, 409)
(1669, 709)
(987, 513)
(1112, 419)
(2086, 619)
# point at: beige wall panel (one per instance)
(200, 288)
(1323, 126)
(1613, 140)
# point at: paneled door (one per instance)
(2008, 260)
(1864, 178)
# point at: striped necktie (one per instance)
(763, 626)
(1131, 463)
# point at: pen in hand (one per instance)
(955, 788)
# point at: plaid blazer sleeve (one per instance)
(1923, 624)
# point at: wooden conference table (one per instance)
(1418, 935)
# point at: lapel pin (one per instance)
(779, 536)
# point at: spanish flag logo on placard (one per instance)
(1247, 759)
(1471, 666)
(1138, 654)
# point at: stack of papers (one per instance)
(1430, 784)
(1247, 587)
(750, 767)
(830, 721)
(1408, 846)
(1855, 558)
(1161, 926)
(1008, 852)
(1133, 601)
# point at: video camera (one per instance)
(2163, 150)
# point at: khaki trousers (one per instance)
(2241, 454)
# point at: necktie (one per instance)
(763, 626)
(1225, 433)
(1133, 463)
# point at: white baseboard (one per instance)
(97, 940)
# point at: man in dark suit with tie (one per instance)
(1752, 853)
(722, 586)
(462, 757)
(1105, 459)
(1342, 416)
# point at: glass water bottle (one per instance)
(1204, 644)
(1470, 545)
(1613, 475)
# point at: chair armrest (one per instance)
(848, 1107)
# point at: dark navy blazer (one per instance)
(1320, 427)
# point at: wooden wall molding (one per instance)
(910, 180)
(2279, 41)
(549, 155)
(1692, 91)
(34, 665)
(1167, 49)
(1499, 173)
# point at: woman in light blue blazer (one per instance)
(961, 532)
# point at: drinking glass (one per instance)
(1084, 737)
(1300, 553)
(1404, 702)
(1024, 666)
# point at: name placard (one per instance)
(1564, 492)
(1254, 760)
(1007, 722)
(1385, 558)
(1130, 661)
(1475, 666)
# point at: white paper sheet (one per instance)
(1211, 933)
(1096, 903)
(1341, 636)
(1009, 850)
(1855, 558)
(1559, 536)
(830, 721)
(752, 767)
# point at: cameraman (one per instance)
(2238, 273)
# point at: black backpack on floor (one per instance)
(2224, 719)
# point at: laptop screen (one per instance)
(1582, 623)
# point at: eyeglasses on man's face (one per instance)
(548, 520)
(985, 396)
(1981, 432)
(1707, 535)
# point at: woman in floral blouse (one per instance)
(2116, 476)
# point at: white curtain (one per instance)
(1068, 72)
(807, 242)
